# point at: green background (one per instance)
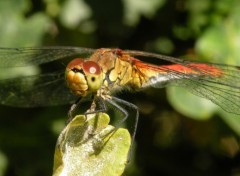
(178, 133)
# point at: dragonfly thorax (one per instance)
(83, 77)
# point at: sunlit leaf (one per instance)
(88, 147)
(220, 42)
(189, 104)
(73, 12)
(17, 29)
(135, 8)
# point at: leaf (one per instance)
(74, 12)
(232, 120)
(3, 163)
(220, 42)
(19, 29)
(190, 105)
(87, 146)
(137, 8)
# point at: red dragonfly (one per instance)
(104, 71)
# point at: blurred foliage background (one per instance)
(178, 133)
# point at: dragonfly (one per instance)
(100, 73)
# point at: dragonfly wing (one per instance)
(18, 57)
(222, 89)
(226, 97)
(34, 91)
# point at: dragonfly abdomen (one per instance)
(160, 76)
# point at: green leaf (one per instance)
(232, 120)
(11, 7)
(220, 42)
(73, 12)
(134, 9)
(3, 163)
(88, 146)
(189, 104)
(18, 29)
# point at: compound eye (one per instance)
(91, 67)
(75, 62)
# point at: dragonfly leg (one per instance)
(130, 105)
(78, 105)
(100, 106)
(71, 110)
(126, 114)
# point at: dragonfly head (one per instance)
(83, 77)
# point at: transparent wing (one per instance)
(34, 91)
(37, 90)
(216, 82)
(222, 89)
(17, 57)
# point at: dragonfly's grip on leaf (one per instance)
(87, 146)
